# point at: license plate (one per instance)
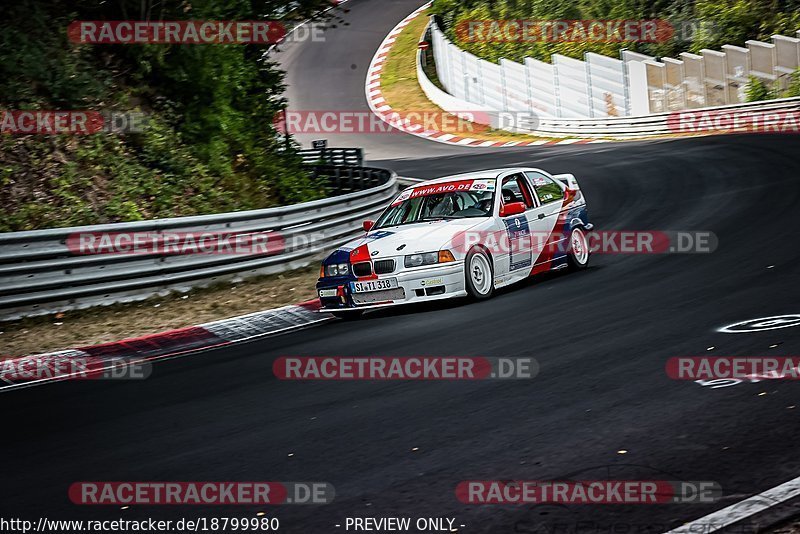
(374, 285)
(327, 292)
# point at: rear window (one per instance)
(546, 189)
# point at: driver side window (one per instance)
(515, 189)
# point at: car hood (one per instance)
(426, 236)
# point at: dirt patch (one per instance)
(120, 321)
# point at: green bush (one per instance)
(793, 87)
(757, 90)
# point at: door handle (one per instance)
(541, 215)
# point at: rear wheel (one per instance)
(478, 274)
(578, 256)
(348, 315)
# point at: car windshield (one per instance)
(451, 205)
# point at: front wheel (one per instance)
(578, 256)
(348, 315)
(478, 274)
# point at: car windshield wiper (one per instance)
(439, 217)
(423, 219)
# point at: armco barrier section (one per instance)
(608, 127)
(41, 273)
(353, 157)
(604, 87)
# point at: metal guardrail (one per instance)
(333, 156)
(649, 125)
(41, 273)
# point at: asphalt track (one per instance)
(330, 75)
(601, 338)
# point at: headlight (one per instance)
(337, 270)
(428, 258)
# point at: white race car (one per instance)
(461, 235)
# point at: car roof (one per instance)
(488, 174)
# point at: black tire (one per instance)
(348, 315)
(478, 258)
(577, 259)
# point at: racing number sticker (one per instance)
(519, 242)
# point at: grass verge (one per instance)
(402, 91)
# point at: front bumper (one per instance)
(419, 284)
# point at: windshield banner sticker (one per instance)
(445, 187)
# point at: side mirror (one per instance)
(512, 208)
(367, 225)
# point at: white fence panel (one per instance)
(763, 59)
(674, 73)
(493, 86)
(459, 75)
(738, 70)
(607, 82)
(441, 55)
(572, 87)
(541, 80)
(604, 87)
(516, 80)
